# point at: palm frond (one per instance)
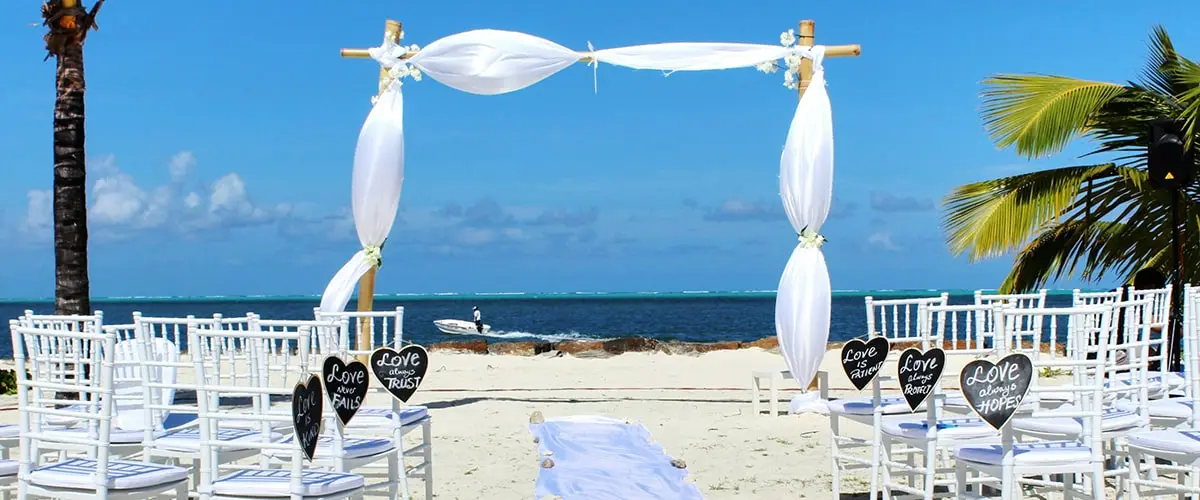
(990, 218)
(1040, 114)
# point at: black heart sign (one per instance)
(995, 390)
(346, 386)
(401, 371)
(861, 360)
(307, 406)
(919, 373)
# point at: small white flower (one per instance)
(787, 38)
(415, 74)
(793, 62)
(414, 48)
(767, 67)
(374, 99)
(789, 81)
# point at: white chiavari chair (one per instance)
(96, 474)
(385, 329)
(1012, 466)
(1179, 447)
(279, 358)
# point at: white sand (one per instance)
(481, 406)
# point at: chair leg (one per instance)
(181, 491)
(876, 435)
(428, 437)
(1008, 484)
(931, 464)
(835, 451)
(886, 469)
(1098, 482)
(755, 402)
(1069, 486)
(960, 476)
(774, 389)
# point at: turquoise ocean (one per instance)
(691, 316)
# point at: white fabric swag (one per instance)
(491, 62)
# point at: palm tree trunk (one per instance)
(71, 288)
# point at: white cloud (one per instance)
(882, 240)
(119, 206)
(39, 215)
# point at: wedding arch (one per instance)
(491, 62)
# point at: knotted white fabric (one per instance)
(491, 62)
(806, 187)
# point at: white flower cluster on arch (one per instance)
(491, 62)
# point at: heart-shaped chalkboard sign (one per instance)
(346, 385)
(995, 390)
(862, 360)
(919, 372)
(401, 371)
(307, 406)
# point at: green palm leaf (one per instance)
(990, 218)
(1040, 114)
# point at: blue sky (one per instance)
(651, 184)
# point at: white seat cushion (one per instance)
(1113, 419)
(1187, 441)
(957, 400)
(1155, 379)
(1043, 453)
(947, 429)
(122, 475)
(1179, 408)
(375, 417)
(277, 483)
(354, 447)
(866, 406)
(9, 431)
(189, 439)
(9, 467)
(115, 436)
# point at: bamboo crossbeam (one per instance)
(853, 50)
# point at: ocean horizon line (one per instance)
(682, 294)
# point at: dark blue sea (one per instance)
(685, 316)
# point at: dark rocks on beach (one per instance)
(630, 344)
(520, 348)
(594, 349)
(478, 346)
(676, 347)
(768, 343)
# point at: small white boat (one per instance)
(459, 327)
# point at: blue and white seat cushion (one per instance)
(1112, 420)
(1040, 453)
(115, 436)
(277, 483)
(353, 447)
(377, 417)
(189, 439)
(947, 428)
(1173, 408)
(9, 468)
(1170, 441)
(77, 473)
(866, 406)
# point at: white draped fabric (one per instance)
(806, 187)
(491, 62)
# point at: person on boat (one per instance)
(478, 319)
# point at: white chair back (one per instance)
(279, 359)
(959, 328)
(38, 392)
(384, 328)
(899, 320)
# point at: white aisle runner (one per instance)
(604, 458)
